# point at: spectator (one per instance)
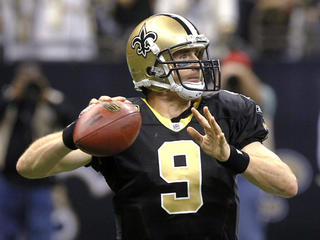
(29, 108)
(287, 30)
(115, 20)
(217, 19)
(238, 76)
(48, 30)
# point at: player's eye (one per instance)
(184, 56)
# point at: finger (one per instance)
(119, 98)
(214, 125)
(195, 134)
(208, 115)
(93, 101)
(201, 119)
(127, 101)
(105, 98)
(221, 139)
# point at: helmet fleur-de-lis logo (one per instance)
(141, 41)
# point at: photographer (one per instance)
(29, 109)
(238, 76)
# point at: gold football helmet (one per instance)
(150, 50)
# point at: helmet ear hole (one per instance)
(150, 72)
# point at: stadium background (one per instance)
(88, 215)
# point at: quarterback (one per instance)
(178, 179)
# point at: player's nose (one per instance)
(193, 56)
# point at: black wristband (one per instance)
(67, 136)
(238, 160)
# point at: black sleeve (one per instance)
(107, 167)
(96, 163)
(250, 125)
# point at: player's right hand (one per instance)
(108, 99)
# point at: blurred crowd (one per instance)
(29, 109)
(97, 30)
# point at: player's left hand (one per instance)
(213, 142)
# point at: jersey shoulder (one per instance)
(239, 116)
(229, 103)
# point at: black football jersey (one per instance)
(166, 187)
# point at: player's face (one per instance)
(187, 75)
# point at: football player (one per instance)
(178, 179)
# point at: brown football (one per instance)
(107, 128)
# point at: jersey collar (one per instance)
(174, 126)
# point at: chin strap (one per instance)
(180, 90)
(190, 94)
(148, 83)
